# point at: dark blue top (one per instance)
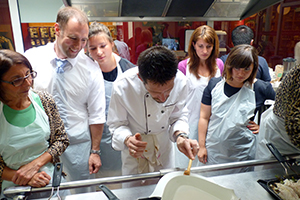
(263, 91)
(263, 68)
(112, 75)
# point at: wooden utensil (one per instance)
(188, 170)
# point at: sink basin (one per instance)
(176, 186)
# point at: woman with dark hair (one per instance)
(227, 105)
(32, 135)
(203, 64)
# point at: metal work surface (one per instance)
(244, 185)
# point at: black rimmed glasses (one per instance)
(19, 81)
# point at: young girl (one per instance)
(227, 105)
(100, 47)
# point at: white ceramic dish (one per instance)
(176, 186)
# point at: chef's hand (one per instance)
(135, 145)
(188, 147)
(94, 163)
(253, 127)
(202, 155)
(40, 179)
(25, 173)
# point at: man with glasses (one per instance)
(76, 83)
(147, 113)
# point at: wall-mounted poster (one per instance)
(39, 34)
(5, 41)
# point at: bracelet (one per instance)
(184, 135)
(96, 152)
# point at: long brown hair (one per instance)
(209, 35)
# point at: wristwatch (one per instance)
(181, 134)
(96, 152)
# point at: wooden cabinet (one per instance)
(275, 44)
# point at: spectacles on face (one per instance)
(19, 81)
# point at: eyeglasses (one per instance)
(19, 81)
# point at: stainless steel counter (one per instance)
(244, 185)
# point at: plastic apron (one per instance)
(272, 129)
(228, 138)
(68, 89)
(193, 105)
(110, 158)
(21, 145)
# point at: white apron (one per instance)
(110, 158)
(272, 130)
(67, 88)
(228, 138)
(193, 105)
(21, 145)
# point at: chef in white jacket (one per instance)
(146, 113)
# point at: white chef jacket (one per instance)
(132, 110)
(197, 87)
(80, 97)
